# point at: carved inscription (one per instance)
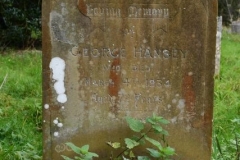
(147, 12)
(136, 97)
(147, 52)
(101, 52)
(103, 12)
(148, 82)
(158, 53)
(133, 11)
(138, 52)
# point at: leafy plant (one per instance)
(159, 151)
(83, 153)
(153, 125)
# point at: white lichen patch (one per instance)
(55, 121)
(60, 125)
(57, 65)
(46, 106)
(181, 104)
(56, 134)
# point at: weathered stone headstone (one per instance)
(218, 46)
(104, 60)
(235, 27)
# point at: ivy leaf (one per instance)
(114, 145)
(135, 125)
(154, 153)
(130, 143)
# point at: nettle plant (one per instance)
(147, 131)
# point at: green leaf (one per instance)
(135, 125)
(66, 158)
(154, 153)
(157, 128)
(84, 149)
(154, 142)
(74, 148)
(162, 120)
(130, 143)
(164, 132)
(131, 154)
(114, 145)
(143, 158)
(79, 158)
(168, 151)
(151, 120)
(125, 158)
(157, 119)
(89, 156)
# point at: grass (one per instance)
(20, 104)
(226, 135)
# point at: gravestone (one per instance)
(235, 27)
(105, 60)
(218, 46)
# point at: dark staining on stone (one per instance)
(115, 76)
(189, 93)
(82, 7)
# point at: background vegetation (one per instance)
(229, 10)
(20, 106)
(22, 28)
(226, 142)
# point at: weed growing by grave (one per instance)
(20, 106)
(147, 131)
